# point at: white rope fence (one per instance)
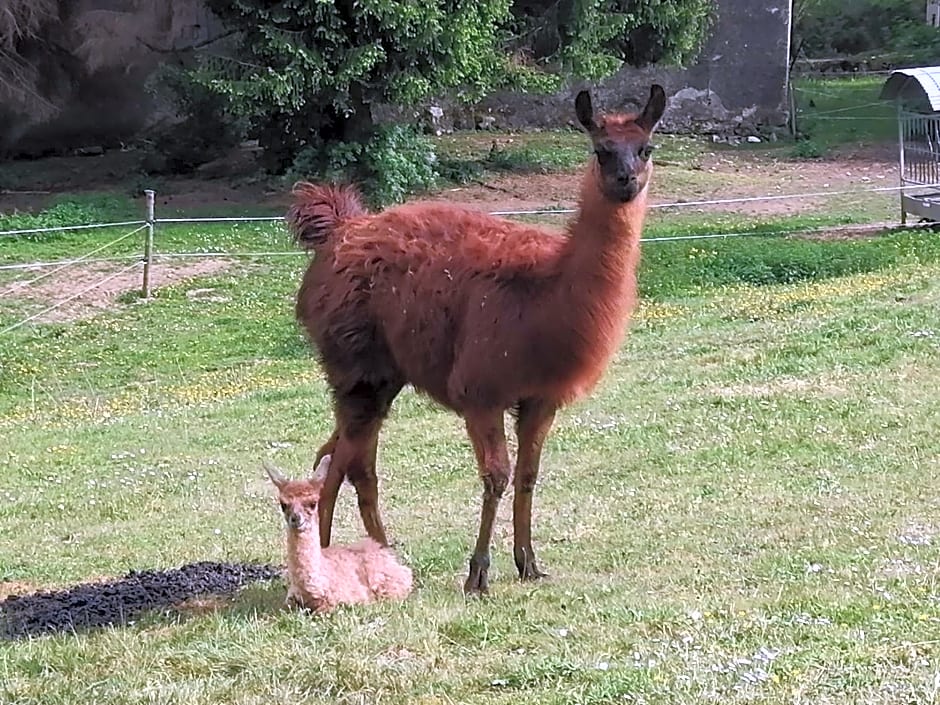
(59, 304)
(149, 256)
(63, 228)
(41, 265)
(64, 264)
(539, 211)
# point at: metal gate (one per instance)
(919, 139)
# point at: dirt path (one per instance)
(75, 280)
(720, 175)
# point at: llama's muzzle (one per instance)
(295, 521)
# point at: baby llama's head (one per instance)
(299, 498)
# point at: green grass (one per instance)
(839, 111)
(469, 156)
(744, 511)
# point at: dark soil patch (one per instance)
(117, 602)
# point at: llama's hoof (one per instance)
(525, 564)
(530, 571)
(477, 583)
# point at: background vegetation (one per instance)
(307, 77)
(895, 28)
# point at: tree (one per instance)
(307, 73)
(826, 27)
(20, 23)
(594, 37)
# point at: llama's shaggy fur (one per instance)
(323, 578)
(482, 314)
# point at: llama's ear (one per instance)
(585, 111)
(277, 477)
(323, 467)
(655, 107)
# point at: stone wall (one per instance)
(737, 87)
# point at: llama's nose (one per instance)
(626, 179)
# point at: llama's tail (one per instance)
(318, 209)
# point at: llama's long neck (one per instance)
(304, 555)
(595, 289)
(603, 250)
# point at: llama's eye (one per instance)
(283, 507)
(646, 151)
(603, 155)
(312, 504)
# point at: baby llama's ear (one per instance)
(323, 467)
(277, 477)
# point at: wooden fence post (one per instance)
(148, 244)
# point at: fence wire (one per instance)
(66, 300)
(141, 225)
(63, 228)
(64, 264)
(538, 211)
(727, 201)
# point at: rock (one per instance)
(753, 139)
(486, 122)
(91, 151)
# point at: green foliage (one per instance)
(918, 40)
(397, 161)
(307, 75)
(807, 149)
(208, 129)
(401, 161)
(827, 27)
(594, 37)
(71, 210)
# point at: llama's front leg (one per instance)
(353, 458)
(489, 444)
(329, 490)
(532, 427)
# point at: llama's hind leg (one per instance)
(532, 427)
(489, 444)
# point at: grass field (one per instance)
(745, 510)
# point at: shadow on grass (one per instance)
(118, 602)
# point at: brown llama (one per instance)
(481, 313)
(321, 579)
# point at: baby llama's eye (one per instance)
(603, 155)
(646, 151)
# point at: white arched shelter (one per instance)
(916, 93)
